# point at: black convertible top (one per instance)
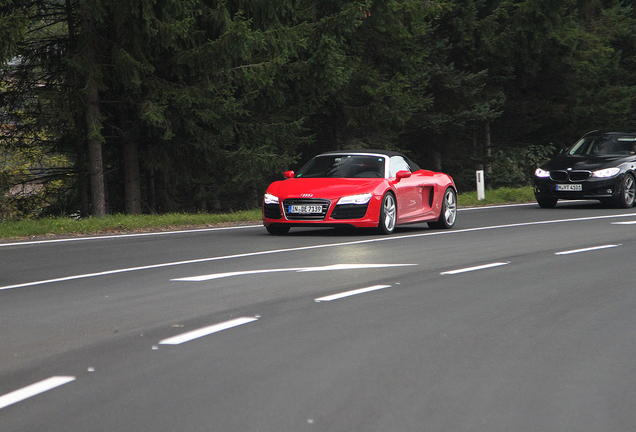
(388, 153)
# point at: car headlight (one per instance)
(356, 199)
(607, 172)
(541, 173)
(270, 199)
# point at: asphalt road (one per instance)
(518, 319)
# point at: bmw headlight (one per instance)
(270, 199)
(607, 172)
(356, 199)
(541, 173)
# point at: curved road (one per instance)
(518, 319)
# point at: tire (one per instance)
(547, 202)
(388, 214)
(448, 214)
(627, 193)
(277, 229)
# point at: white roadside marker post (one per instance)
(479, 173)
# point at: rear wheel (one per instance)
(628, 192)
(547, 202)
(388, 214)
(448, 214)
(277, 229)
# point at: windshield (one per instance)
(604, 145)
(343, 166)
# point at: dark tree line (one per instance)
(195, 105)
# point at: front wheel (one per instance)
(388, 214)
(627, 193)
(448, 214)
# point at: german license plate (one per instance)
(569, 187)
(305, 209)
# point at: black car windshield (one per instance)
(604, 145)
(343, 166)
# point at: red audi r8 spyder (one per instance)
(360, 188)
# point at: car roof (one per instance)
(612, 132)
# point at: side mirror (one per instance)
(288, 174)
(402, 175)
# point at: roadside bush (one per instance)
(514, 167)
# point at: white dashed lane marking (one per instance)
(205, 331)
(351, 293)
(589, 249)
(34, 390)
(475, 268)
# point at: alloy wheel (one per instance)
(450, 211)
(388, 214)
(629, 191)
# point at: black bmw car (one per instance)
(600, 166)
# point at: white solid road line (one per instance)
(304, 248)
(33, 390)
(120, 236)
(587, 249)
(296, 269)
(479, 267)
(351, 293)
(624, 223)
(205, 331)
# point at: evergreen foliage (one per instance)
(195, 105)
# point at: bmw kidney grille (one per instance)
(574, 176)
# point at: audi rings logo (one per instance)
(306, 195)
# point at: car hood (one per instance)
(328, 188)
(589, 163)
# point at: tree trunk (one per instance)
(437, 160)
(488, 152)
(152, 192)
(82, 181)
(93, 116)
(95, 158)
(132, 186)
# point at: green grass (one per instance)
(119, 223)
(497, 196)
(27, 228)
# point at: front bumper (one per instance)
(593, 188)
(360, 216)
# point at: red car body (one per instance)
(351, 189)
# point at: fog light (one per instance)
(609, 191)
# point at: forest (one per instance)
(155, 106)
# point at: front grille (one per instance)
(350, 211)
(306, 201)
(272, 211)
(574, 176)
(559, 176)
(580, 175)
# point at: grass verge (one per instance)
(119, 223)
(497, 196)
